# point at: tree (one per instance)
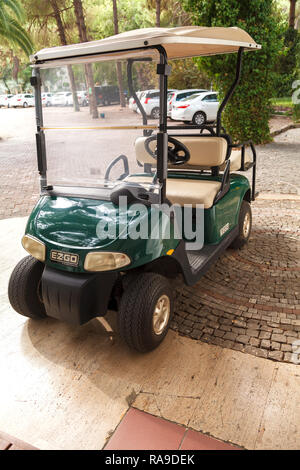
(287, 67)
(82, 31)
(186, 74)
(247, 114)
(292, 13)
(63, 40)
(158, 9)
(118, 65)
(11, 16)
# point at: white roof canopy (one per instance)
(187, 41)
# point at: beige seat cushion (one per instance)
(186, 191)
(205, 152)
(236, 160)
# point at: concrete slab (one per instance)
(64, 387)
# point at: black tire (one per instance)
(137, 306)
(155, 113)
(23, 288)
(199, 118)
(245, 224)
(25, 105)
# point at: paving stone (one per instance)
(275, 346)
(264, 335)
(261, 353)
(265, 343)
(277, 355)
(286, 347)
(254, 333)
(254, 342)
(242, 339)
(278, 338)
(230, 336)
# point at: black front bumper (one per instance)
(76, 298)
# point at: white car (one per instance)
(63, 98)
(47, 99)
(5, 100)
(83, 99)
(198, 109)
(150, 103)
(180, 95)
(22, 99)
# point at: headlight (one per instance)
(105, 261)
(35, 247)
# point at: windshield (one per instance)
(93, 139)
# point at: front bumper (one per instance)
(76, 298)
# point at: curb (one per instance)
(284, 129)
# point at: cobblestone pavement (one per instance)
(249, 300)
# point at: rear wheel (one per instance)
(199, 118)
(25, 105)
(145, 311)
(245, 224)
(155, 113)
(24, 288)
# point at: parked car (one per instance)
(150, 102)
(63, 98)
(83, 98)
(4, 100)
(198, 108)
(180, 95)
(47, 99)
(107, 94)
(22, 99)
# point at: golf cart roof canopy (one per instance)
(186, 41)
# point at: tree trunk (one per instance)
(16, 67)
(88, 67)
(63, 41)
(158, 9)
(292, 13)
(119, 65)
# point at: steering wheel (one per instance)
(178, 153)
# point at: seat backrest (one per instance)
(205, 152)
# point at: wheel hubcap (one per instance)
(199, 119)
(156, 114)
(246, 225)
(161, 314)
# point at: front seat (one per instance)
(205, 153)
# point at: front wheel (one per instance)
(25, 105)
(245, 224)
(24, 288)
(145, 312)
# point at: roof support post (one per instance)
(163, 70)
(231, 90)
(133, 93)
(40, 136)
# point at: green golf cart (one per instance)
(124, 208)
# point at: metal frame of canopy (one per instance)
(144, 49)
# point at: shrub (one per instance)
(247, 114)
